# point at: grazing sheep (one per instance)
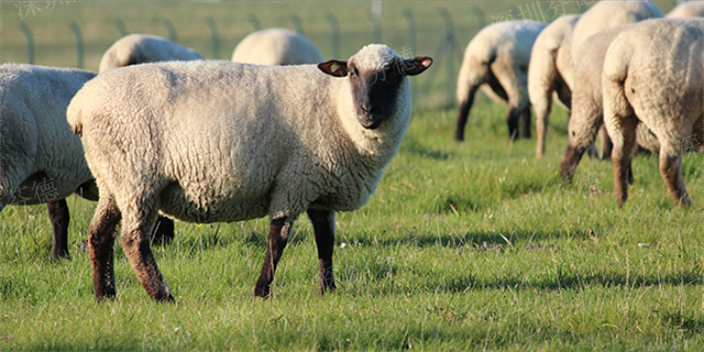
(41, 161)
(497, 60)
(143, 48)
(587, 103)
(550, 66)
(218, 141)
(688, 9)
(653, 75)
(276, 46)
(606, 14)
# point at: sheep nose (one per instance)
(368, 107)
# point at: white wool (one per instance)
(276, 46)
(34, 135)
(688, 9)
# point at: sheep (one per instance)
(548, 73)
(496, 60)
(653, 75)
(218, 141)
(143, 48)
(276, 46)
(687, 9)
(41, 161)
(587, 103)
(606, 14)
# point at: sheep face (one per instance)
(375, 83)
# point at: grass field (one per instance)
(473, 246)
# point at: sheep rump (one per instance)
(144, 48)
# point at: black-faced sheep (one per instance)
(276, 46)
(41, 161)
(550, 71)
(143, 48)
(497, 60)
(687, 9)
(220, 141)
(653, 75)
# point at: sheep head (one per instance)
(375, 75)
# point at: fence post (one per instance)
(255, 22)
(121, 27)
(450, 42)
(171, 29)
(30, 42)
(376, 28)
(297, 23)
(412, 45)
(79, 43)
(335, 34)
(481, 16)
(215, 37)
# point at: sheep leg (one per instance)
(606, 144)
(670, 163)
(163, 231)
(324, 227)
(279, 231)
(624, 144)
(135, 240)
(542, 115)
(59, 218)
(464, 113)
(526, 122)
(101, 237)
(512, 120)
(570, 161)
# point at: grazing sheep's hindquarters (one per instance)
(496, 60)
(652, 75)
(276, 141)
(276, 46)
(137, 49)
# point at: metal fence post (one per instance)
(255, 22)
(376, 28)
(79, 44)
(171, 29)
(481, 16)
(121, 27)
(411, 45)
(450, 42)
(215, 37)
(335, 34)
(30, 42)
(297, 23)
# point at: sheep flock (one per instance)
(162, 134)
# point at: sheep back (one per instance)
(687, 9)
(143, 48)
(35, 138)
(606, 14)
(276, 46)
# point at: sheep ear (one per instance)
(417, 65)
(334, 68)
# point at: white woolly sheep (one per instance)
(653, 75)
(217, 141)
(687, 9)
(606, 14)
(41, 161)
(276, 46)
(497, 60)
(587, 103)
(143, 48)
(550, 66)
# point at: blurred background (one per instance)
(75, 34)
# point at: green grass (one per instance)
(472, 246)
(464, 247)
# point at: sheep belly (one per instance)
(201, 206)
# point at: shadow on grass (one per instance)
(412, 146)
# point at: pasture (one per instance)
(471, 246)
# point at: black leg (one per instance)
(324, 227)
(279, 230)
(59, 217)
(101, 237)
(163, 231)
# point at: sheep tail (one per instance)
(74, 115)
